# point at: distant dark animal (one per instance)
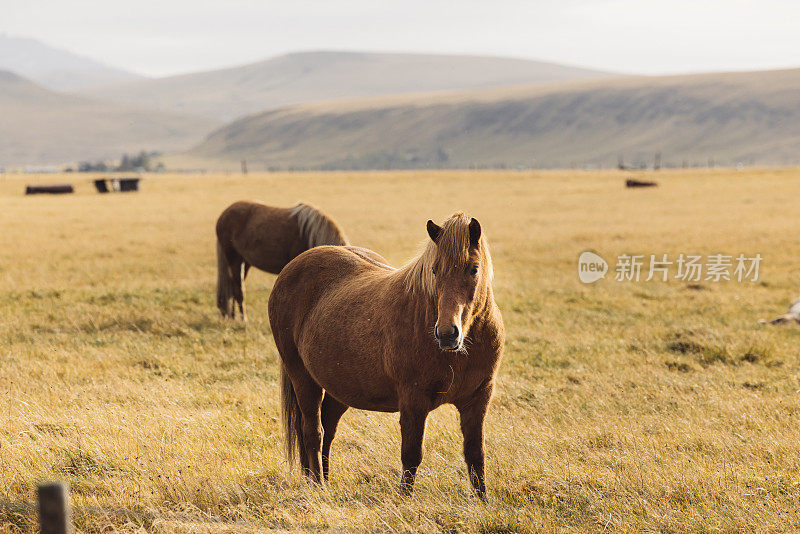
(265, 237)
(793, 315)
(354, 332)
(125, 185)
(119, 185)
(639, 183)
(101, 185)
(52, 189)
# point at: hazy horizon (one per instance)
(654, 37)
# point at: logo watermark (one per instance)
(685, 267)
(591, 267)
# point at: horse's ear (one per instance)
(434, 230)
(474, 233)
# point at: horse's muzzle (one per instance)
(454, 346)
(449, 341)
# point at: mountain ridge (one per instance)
(55, 68)
(43, 127)
(729, 117)
(324, 75)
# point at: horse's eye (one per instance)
(434, 271)
(474, 270)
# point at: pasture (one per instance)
(620, 406)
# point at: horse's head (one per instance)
(462, 271)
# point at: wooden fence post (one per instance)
(55, 516)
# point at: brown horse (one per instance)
(354, 332)
(252, 234)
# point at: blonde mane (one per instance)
(316, 228)
(452, 248)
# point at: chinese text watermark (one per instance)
(662, 267)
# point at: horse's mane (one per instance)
(316, 228)
(453, 245)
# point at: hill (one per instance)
(733, 117)
(54, 68)
(318, 76)
(38, 126)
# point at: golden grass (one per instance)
(620, 406)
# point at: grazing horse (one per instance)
(252, 234)
(354, 332)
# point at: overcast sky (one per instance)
(162, 37)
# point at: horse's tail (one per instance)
(292, 419)
(224, 284)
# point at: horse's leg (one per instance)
(224, 284)
(473, 413)
(236, 267)
(309, 398)
(332, 411)
(239, 290)
(412, 431)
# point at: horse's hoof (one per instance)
(406, 490)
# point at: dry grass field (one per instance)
(620, 407)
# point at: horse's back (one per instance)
(235, 218)
(265, 236)
(232, 218)
(319, 270)
(239, 215)
(371, 256)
